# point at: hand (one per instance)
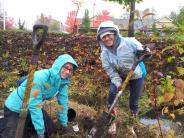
(145, 54)
(41, 136)
(119, 88)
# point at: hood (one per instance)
(59, 62)
(105, 27)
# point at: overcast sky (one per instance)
(28, 10)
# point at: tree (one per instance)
(130, 4)
(21, 25)
(79, 4)
(174, 17)
(70, 21)
(10, 23)
(181, 17)
(85, 26)
(178, 19)
(104, 16)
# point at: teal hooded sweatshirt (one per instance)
(46, 83)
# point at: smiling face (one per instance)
(66, 70)
(108, 39)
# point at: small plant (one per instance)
(5, 55)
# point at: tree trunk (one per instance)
(131, 19)
(75, 26)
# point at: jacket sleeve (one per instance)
(111, 72)
(36, 111)
(63, 103)
(137, 44)
(139, 47)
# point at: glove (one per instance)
(41, 136)
(146, 52)
(119, 88)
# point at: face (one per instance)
(66, 70)
(108, 40)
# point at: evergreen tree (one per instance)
(181, 17)
(85, 26)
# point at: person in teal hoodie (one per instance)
(47, 83)
(118, 55)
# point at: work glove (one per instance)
(119, 88)
(146, 52)
(41, 136)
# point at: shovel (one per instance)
(106, 118)
(38, 40)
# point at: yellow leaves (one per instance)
(176, 102)
(172, 116)
(165, 110)
(170, 134)
(180, 95)
(181, 50)
(170, 82)
(35, 93)
(180, 70)
(168, 97)
(4, 84)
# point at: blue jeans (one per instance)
(136, 87)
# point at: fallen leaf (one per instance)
(179, 83)
(172, 116)
(168, 97)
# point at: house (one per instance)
(164, 22)
(145, 25)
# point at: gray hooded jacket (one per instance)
(118, 61)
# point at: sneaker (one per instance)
(134, 114)
(112, 129)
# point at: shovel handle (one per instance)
(129, 76)
(36, 47)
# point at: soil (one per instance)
(86, 118)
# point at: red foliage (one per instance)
(104, 16)
(10, 23)
(70, 21)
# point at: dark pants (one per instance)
(8, 125)
(136, 87)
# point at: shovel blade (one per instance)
(21, 124)
(102, 124)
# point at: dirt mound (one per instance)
(86, 118)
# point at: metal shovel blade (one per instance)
(101, 126)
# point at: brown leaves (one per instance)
(4, 84)
(179, 83)
(168, 97)
(180, 96)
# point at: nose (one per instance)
(68, 71)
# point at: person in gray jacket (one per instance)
(118, 55)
